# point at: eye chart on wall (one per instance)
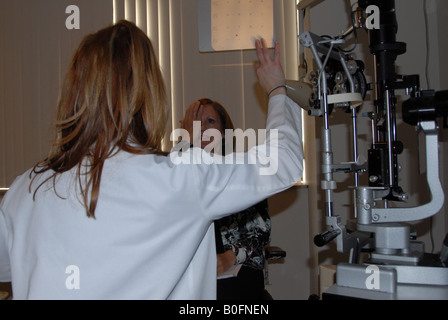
(234, 24)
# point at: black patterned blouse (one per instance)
(246, 233)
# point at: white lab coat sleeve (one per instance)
(5, 267)
(240, 180)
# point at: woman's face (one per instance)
(209, 120)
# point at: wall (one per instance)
(36, 48)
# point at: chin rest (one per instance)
(272, 253)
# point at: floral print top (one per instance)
(246, 233)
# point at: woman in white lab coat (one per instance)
(105, 216)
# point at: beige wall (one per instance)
(35, 48)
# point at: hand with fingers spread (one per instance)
(269, 70)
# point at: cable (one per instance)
(354, 31)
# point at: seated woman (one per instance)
(241, 237)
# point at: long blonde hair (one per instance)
(113, 98)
